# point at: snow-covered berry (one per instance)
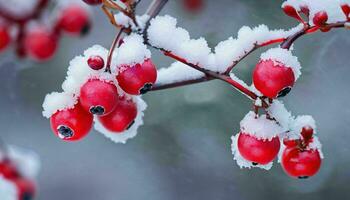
(5, 37)
(320, 18)
(74, 20)
(346, 9)
(40, 44)
(122, 118)
(98, 97)
(137, 79)
(96, 62)
(71, 124)
(291, 11)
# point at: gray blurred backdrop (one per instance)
(183, 150)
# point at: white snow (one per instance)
(177, 72)
(57, 101)
(8, 190)
(123, 20)
(132, 131)
(260, 126)
(284, 56)
(302, 121)
(241, 162)
(316, 145)
(18, 7)
(278, 111)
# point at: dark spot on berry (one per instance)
(65, 132)
(303, 177)
(147, 87)
(85, 30)
(27, 196)
(284, 92)
(130, 125)
(97, 110)
(255, 163)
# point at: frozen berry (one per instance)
(71, 124)
(40, 44)
(96, 62)
(4, 37)
(137, 79)
(292, 12)
(346, 9)
(98, 97)
(320, 18)
(75, 20)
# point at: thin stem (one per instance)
(112, 48)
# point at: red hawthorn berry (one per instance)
(301, 163)
(40, 44)
(8, 170)
(291, 143)
(96, 62)
(273, 79)
(25, 189)
(346, 10)
(93, 2)
(75, 20)
(71, 124)
(122, 118)
(292, 12)
(99, 97)
(193, 5)
(137, 79)
(320, 18)
(258, 151)
(5, 37)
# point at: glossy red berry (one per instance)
(8, 170)
(256, 150)
(25, 189)
(301, 163)
(96, 62)
(122, 118)
(40, 44)
(346, 10)
(320, 18)
(71, 124)
(4, 37)
(74, 20)
(193, 5)
(99, 97)
(137, 79)
(291, 143)
(273, 79)
(291, 12)
(93, 2)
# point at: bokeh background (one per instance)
(183, 150)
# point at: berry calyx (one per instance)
(98, 97)
(273, 79)
(93, 2)
(4, 37)
(96, 62)
(122, 118)
(137, 79)
(74, 20)
(40, 44)
(258, 151)
(71, 124)
(320, 18)
(301, 163)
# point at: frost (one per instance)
(285, 57)
(316, 145)
(177, 72)
(241, 162)
(132, 131)
(57, 101)
(278, 111)
(302, 121)
(8, 190)
(123, 20)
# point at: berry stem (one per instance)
(112, 48)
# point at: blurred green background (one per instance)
(183, 150)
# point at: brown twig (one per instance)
(112, 48)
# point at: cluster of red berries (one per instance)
(40, 42)
(113, 108)
(25, 187)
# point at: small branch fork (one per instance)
(154, 9)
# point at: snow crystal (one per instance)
(283, 56)
(278, 111)
(127, 134)
(26, 161)
(177, 72)
(8, 190)
(57, 101)
(241, 162)
(332, 7)
(260, 126)
(125, 21)
(316, 145)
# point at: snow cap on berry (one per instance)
(122, 137)
(8, 190)
(285, 57)
(260, 127)
(241, 162)
(316, 145)
(57, 101)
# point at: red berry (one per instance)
(8, 170)
(25, 188)
(301, 163)
(40, 44)
(122, 117)
(99, 97)
(4, 37)
(96, 62)
(291, 143)
(307, 133)
(320, 18)
(93, 2)
(137, 79)
(193, 5)
(256, 150)
(75, 20)
(305, 10)
(346, 10)
(71, 124)
(273, 79)
(292, 12)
